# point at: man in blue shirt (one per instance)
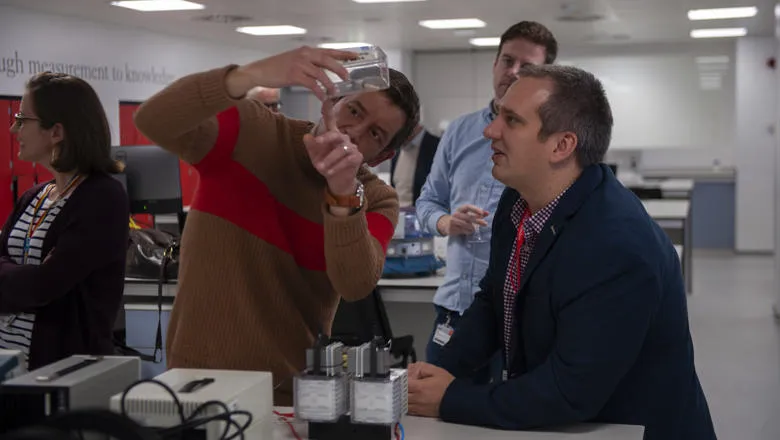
(460, 194)
(584, 296)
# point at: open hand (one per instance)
(462, 221)
(427, 385)
(334, 155)
(304, 66)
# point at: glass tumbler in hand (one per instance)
(476, 237)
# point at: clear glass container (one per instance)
(368, 73)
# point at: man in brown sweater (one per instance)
(286, 219)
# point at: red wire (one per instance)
(290, 425)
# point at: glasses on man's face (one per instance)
(19, 119)
(274, 106)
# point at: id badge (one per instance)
(442, 334)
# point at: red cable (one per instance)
(290, 425)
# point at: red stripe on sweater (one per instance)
(223, 189)
(229, 124)
(237, 196)
(381, 228)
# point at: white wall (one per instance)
(659, 100)
(755, 143)
(120, 63)
(777, 167)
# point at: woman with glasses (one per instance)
(62, 249)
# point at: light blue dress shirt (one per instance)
(461, 174)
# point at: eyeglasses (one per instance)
(19, 119)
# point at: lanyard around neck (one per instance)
(35, 224)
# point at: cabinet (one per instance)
(6, 178)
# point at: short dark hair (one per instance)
(579, 104)
(534, 32)
(72, 102)
(402, 94)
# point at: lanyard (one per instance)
(34, 225)
(520, 241)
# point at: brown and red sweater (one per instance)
(263, 262)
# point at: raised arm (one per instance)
(182, 118)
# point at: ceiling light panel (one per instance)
(722, 13)
(271, 30)
(455, 23)
(158, 5)
(485, 41)
(718, 33)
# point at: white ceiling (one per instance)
(394, 25)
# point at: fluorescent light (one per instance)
(722, 13)
(386, 1)
(271, 30)
(158, 5)
(485, 41)
(457, 23)
(341, 45)
(718, 33)
(712, 59)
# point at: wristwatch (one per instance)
(354, 201)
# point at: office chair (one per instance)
(361, 321)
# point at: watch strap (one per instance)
(354, 201)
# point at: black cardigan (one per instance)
(76, 294)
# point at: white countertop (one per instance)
(670, 185)
(667, 209)
(432, 429)
(432, 281)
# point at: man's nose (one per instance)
(356, 131)
(515, 70)
(492, 130)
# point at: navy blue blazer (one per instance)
(600, 332)
(428, 146)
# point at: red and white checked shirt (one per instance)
(532, 227)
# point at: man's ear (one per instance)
(381, 157)
(565, 146)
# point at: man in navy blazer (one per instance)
(584, 294)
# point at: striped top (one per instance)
(16, 329)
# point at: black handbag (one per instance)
(146, 254)
(151, 254)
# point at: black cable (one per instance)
(191, 421)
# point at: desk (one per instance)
(410, 290)
(674, 216)
(670, 188)
(432, 429)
